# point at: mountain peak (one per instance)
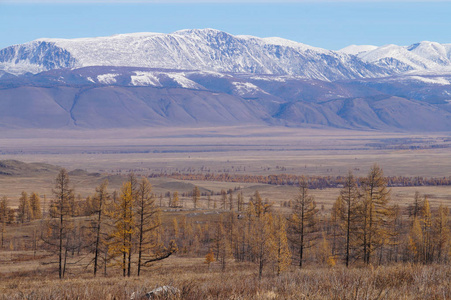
(204, 31)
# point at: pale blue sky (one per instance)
(326, 24)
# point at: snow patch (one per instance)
(21, 67)
(357, 49)
(278, 79)
(107, 78)
(183, 81)
(433, 80)
(246, 88)
(144, 79)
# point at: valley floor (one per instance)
(234, 149)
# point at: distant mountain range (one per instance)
(209, 77)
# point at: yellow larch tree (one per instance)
(209, 258)
(196, 196)
(261, 233)
(35, 204)
(415, 241)
(348, 210)
(441, 232)
(375, 212)
(121, 237)
(426, 221)
(25, 213)
(283, 259)
(302, 222)
(324, 252)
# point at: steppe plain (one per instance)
(248, 150)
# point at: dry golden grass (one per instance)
(240, 281)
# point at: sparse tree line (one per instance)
(363, 227)
(109, 227)
(125, 229)
(314, 182)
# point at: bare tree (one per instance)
(99, 203)
(302, 220)
(147, 221)
(60, 224)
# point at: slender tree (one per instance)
(415, 208)
(147, 221)
(60, 224)
(426, 221)
(350, 196)
(196, 196)
(441, 232)
(240, 201)
(175, 199)
(375, 212)
(25, 213)
(302, 221)
(222, 245)
(261, 233)
(98, 206)
(283, 253)
(122, 215)
(223, 199)
(35, 204)
(3, 216)
(415, 241)
(231, 205)
(4, 209)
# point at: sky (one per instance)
(332, 24)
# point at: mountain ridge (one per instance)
(207, 50)
(215, 50)
(211, 78)
(126, 97)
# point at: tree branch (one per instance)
(159, 258)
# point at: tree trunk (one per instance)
(96, 255)
(60, 252)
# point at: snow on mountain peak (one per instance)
(205, 31)
(357, 49)
(190, 49)
(423, 56)
(217, 51)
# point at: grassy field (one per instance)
(195, 280)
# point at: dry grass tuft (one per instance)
(403, 281)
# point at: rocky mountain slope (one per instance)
(118, 97)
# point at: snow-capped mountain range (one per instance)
(213, 50)
(209, 77)
(425, 56)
